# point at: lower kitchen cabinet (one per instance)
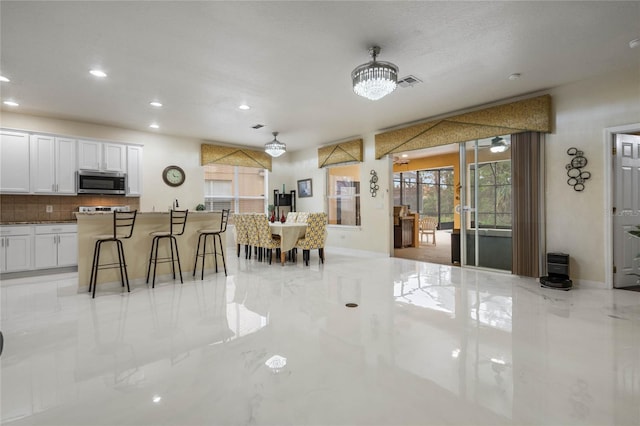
(56, 246)
(16, 244)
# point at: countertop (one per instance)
(40, 222)
(144, 213)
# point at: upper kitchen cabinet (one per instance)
(53, 165)
(14, 162)
(102, 156)
(134, 170)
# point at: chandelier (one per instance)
(374, 79)
(275, 148)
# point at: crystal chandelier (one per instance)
(374, 79)
(275, 148)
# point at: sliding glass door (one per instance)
(486, 213)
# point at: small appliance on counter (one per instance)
(105, 209)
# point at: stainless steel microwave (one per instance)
(110, 183)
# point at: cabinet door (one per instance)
(46, 251)
(115, 157)
(67, 249)
(134, 170)
(14, 162)
(89, 155)
(43, 164)
(65, 166)
(18, 253)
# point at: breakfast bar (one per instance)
(138, 246)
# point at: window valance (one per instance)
(343, 152)
(527, 115)
(233, 156)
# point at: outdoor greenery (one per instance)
(494, 194)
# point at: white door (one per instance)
(14, 162)
(46, 251)
(67, 249)
(42, 164)
(65, 166)
(626, 248)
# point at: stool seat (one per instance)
(177, 224)
(123, 223)
(215, 235)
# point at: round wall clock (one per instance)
(173, 176)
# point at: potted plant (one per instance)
(272, 213)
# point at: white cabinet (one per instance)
(14, 162)
(53, 165)
(56, 245)
(102, 156)
(15, 248)
(134, 171)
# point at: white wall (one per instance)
(576, 220)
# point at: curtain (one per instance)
(528, 225)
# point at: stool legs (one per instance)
(202, 241)
(122, 265)
(153, 258)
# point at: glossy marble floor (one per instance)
(272, 345)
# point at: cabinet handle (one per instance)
(53, 187)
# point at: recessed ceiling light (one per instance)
(634, 43)
(154, 126)
(515, 76)
(155, 104)
(244, 106)
(11, 103)
(4, 79)
(404, 155)
(98, 73)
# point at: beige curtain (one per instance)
(527, 190)
(231, 156)
(340, 153)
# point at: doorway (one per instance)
(626, 210)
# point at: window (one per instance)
(429, 192)
(343, 195)
(494, 193)
(239, 189)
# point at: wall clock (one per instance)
(173, 176)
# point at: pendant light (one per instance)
(375, 79)
(275, 148)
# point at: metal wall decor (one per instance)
(373, 183)
(577, 176)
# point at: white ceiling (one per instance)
(291, 61)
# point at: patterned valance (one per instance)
(343, 152)
(528, 115)
(232, 156)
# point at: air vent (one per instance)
(257, 126)
(409, 81)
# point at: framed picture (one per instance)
(304, 188)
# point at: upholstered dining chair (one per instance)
(302, 217)
(254, 238)
(240, 222)
(292, 216)
(266, 241)
(315, 236)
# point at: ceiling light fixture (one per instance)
(275, 148)
(374, 79)
(11, 103)
(98, 73)
(154, 126)
(634, 43)
(515, 76)
(244, 107)
(155, 104)
(4, 79)
(498, 145)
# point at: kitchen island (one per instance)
(137, 247)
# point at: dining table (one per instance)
(289, 233)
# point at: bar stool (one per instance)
(177, 223)
(202, 240)
(123, 223)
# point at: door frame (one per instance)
(609, 179)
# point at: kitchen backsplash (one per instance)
(33, 208)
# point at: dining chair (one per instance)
(241, 222)
(292, 217)
(266, 241)
(123, 223)
(315, 236)
(177, 224)
(302, 217)
(216, 237)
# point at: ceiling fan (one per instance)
(400, 160)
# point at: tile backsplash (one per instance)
(33, 208)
